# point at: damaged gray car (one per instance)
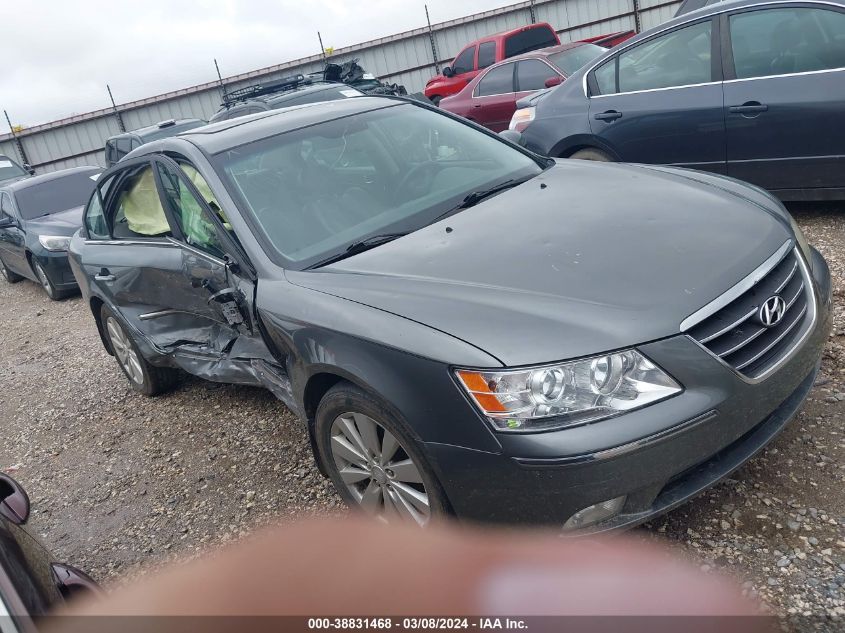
(465, 328)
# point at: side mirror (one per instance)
(6, 222)
(448, 72)
(14, 502)
(551, 82)
(29, 169)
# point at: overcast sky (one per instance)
(58, 56)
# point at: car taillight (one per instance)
(521, 118)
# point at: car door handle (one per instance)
(104, 275)
(751, 107)
(610, 115)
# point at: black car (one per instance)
(747, 89)
(291, 91)
(120, 145)
(10, 171)
(463, 327)
(31, 582)
(37, 218)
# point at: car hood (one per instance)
(585, 258)
(62, 223)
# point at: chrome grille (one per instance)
(737, 336)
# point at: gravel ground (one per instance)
(121, 483)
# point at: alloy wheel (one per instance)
(42, 277)
(378, 471)
(123, 350)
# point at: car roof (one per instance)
(152, 129)
(284, 95)
(545, 52)
(320, 87)
(36, 181)
(502, 34)
(224, 135)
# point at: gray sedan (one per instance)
(749, 89)
(464, 328)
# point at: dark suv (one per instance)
(291, 91)
(120, 145)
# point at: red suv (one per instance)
(485, 52)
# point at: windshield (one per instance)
(312, 192)
(10, 169)
(572, 59)
(56, 195)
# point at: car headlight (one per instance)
(54, 242)
(567, 394)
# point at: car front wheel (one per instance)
(143, 377)
(10, 276)
(45, 282)
(374, 464)
(591, 153)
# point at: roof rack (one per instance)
(282, 85)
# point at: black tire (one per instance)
(145, 378)
(436, 99)
(44, 280)
(10, 276)
(344, 398)
(591, 153)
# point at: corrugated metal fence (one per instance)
(404, 58)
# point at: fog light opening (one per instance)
(595, 514)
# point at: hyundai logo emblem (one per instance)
(772, 311)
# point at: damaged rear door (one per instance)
(176, 274)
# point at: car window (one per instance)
(486, 54)
(465, 61)
(529, 40)
(572, 59)
(409, 165)
(135, 207)
(497, 81)
(123, 146)
(112, 155)
(783, 41)
(6, 206)
(95, 217)
(10, 169)
(679, 58)
(197, 227)
(605, 76)
(55, 195)
(531, 74)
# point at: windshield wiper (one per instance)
(472, 199)
(359, 247)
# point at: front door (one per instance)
(660, 101)
(784, 96)
(166, 266)
(494, 98)
(12, 248)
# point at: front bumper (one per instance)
(659, 456)
(57, 267)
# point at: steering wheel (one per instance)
(417, 180)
